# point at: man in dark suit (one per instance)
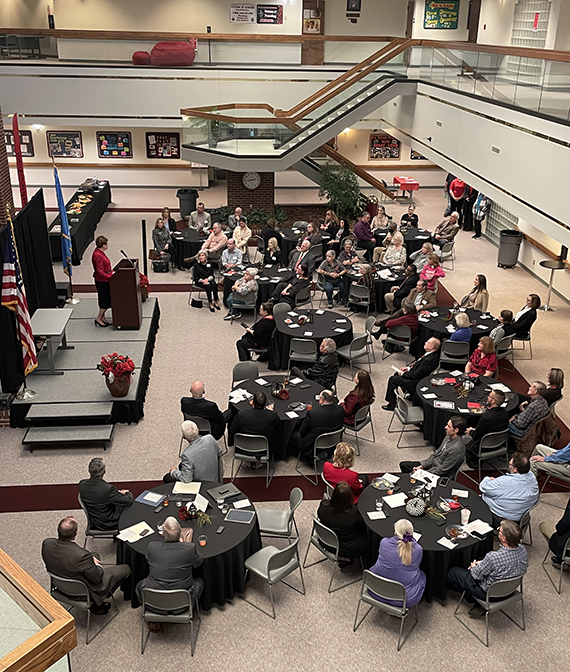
(302, 256)
(325, 370)
(557, 535)
(199, 406)
(171, 562)
(256, 419)
(103, 501)
(495, 419)
(409, 376)
(63, 557)
(328, 416)
(394, 298)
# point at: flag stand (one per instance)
(72, 301)
(26, 393)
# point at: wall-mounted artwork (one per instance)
(272, 14)
(441, 15)
(114, 145)
(383, 147)
(65, 144)
(163, 145)
(26, 143)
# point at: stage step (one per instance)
(37, 436)
(91, 412)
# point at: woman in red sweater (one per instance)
(362, 395)
(102, 273)
(340, 470)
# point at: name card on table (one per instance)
(444, 541)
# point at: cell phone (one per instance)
(478, 535)
(244, 325)
(159, 508)
(220, 529)
(439, 523)
(304, 386)
(443, 482)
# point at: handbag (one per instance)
(153, 254)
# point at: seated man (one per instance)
(328, 416)
(199, 219)
(201, 407)
(241, 287)
(398, 293)
(409, 318)
(364, 236)
(508, 561)
(285, 292)
(231, 256)
(510, 496)
(409, 376)
(258, 335)
(421, 297)
(446, 231)
(448, 458)
(495, 419)
(257, 419)
(234, 220)
(550, 461)
(212, 246)
(199, 462)
(325, 370)
(171, 562)
(103, 501)
(530, 412)
(557, 536)
(63, 557)
(302, 256)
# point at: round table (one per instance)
(187, 243)
(268, 277)
(225, 554)
(435, 419)
(553, 265)
(286, 425)
(436, 326)
(436, 559)
(414, 238)
(325, 324)
(289, 240)
(382, 283)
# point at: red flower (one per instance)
(116, 365)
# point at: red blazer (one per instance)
(101, 266)
(335, 475)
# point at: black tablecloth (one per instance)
(323, 326)
(435, 419)
(288, 243)
(437, 559)
(414, 239)
(224, 555)
(265, 287)
(187, 243)
(437, 327)
(286, 427)
(381, 286)
(83, 230)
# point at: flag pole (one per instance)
(64, 232)
(26, 394)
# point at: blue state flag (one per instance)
(65, 236)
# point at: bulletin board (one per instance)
(114, 145)
(163, 145)
(65, 144)
(441, 15)
(270, 14)
(26, 143)
(383, 147)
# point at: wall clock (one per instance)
(251, 180)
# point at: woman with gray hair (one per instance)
(325, 370)
(421, 257)
(332, 271)
(241, 287)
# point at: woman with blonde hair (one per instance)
(330, 224)
(395, 255)
(399, 559)
(463, 333)
(340, 470)
(478, 297)
(483, 361)
(272, 253)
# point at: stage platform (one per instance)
(81, 381)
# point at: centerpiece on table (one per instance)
(145, 287)
(118, 371)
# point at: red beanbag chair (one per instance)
(141, 58)
(173, 53)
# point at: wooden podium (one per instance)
(126, 295)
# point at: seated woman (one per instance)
(410, 218)
(348, 256)
(312, 235)
(463, 333)
(330, 224)
(421, 257)
(285, 292)
(478, 297)
(367, 279)
(381, 219)
(162, 240)
(204, 278)
(399, 559)
(526, 316)
(554, 385)
(168, 220)
(341, 516)
(483, 361)
(362, 395)
(340, 470)
(432, 271)
(395, 255)
(332, 271)
(272, 255)
(504, 328)
(342, 231)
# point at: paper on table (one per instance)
(319, 312)
(294, 326)
(422, 237)
(447, 543)
(417, 536)
(153, 496)
(500, 386)
(430, 396)
(135, 532)
(186, 488)
(376, 515)
(201, 503)
(457, 372)
(268, 266)
(341, 331)
(292, 313)
(394, 501)
(296, 381)
(482, 326)
(261, 381)
(459, 493)
(341, 321)
(275, 280)
(448, 405)
(479, 526)
(424, 475)
(463, 410)
(308, 333)
(263, 277)
(462, 310)
(392, 478)
(282, 270)
(291, 414)
(242, 503)
(423, 389)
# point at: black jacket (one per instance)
(320, 420)
(524, 323)
(423, 367)
(262, 331)
(203, 408)
(493, 420)
(104, 502)
(324, 371)
(348, 527)
(559, 538)
(256, 421)
(170, 565)
(405, 288)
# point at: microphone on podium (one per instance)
(127, 258)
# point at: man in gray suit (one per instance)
(171, 562)
(448, 458)
(199, 462)
(63, 557)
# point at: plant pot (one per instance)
(120, 386)
(144, 294)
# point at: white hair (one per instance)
(455, 214)
(171, 529)
(189, 430)
(252, 272)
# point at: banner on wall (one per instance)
(65, 144)
(242, 13)
(114, 145)
(442, 14)
(272, 14)
(383, 147)
(163, 145)
(26, 143)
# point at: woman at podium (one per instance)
(102, 273)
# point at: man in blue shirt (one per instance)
(512, 495)
(552, 462)
(231, 256)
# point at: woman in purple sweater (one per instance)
(399, 559)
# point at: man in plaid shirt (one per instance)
(508, 561)
(531, 411)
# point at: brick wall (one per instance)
(262, 197)
(5, 186)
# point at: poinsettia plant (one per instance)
(116, 366)
(143, 282)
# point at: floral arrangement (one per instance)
(116, 366)
(143, 282)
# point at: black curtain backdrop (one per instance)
(11, 370)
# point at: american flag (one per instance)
(14, 298)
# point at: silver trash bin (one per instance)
(509, 244)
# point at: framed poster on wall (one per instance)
(163, 145)
(441, 15)
(26, 143)
(240, 13)
(272, 14)
(383, 147)
(114, 145)
(65, 144)
(416, 156)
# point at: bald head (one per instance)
(171, 529)
(67, 529)
(197, 389)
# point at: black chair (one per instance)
(493, 444)
(89, 531)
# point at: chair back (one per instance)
(280, 309)
(447, 249)
(454, 350)
(317, 251)
(320, 282)
(71, 588)
(387, 589)
(302, 346)
(505, 347)
(493, 441)
(82, 505)
(166, 600)
(281, 559)
(322, 536)
(203, 425)
(401, 333)
(359, 294)
(553, 407)
(221, 467)
(303, 296)
(295, 499)
(358, 344)
(402, 404)
(362, 417)
(243, 371)
(260, 244)
(504, 588)
(328, 486)
(252, 444)
(248, 300)
(327, 441)
(369, 324)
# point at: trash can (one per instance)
(509, 244)
(187, 199)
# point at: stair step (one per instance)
(36, 436)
